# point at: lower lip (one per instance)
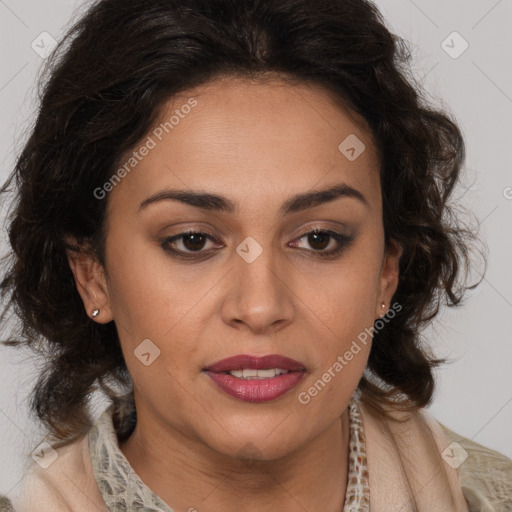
(256, 390)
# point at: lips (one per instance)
(254, 362)
(256, 389)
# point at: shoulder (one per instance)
(62, 481)
(485, 474)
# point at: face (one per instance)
(204, 278)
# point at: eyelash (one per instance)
(343, 240)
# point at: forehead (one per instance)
(261, 141)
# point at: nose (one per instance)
(259, 296)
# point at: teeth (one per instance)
(249, 373)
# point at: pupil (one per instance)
(196, 239)
(315, 237)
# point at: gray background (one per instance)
(474, 395)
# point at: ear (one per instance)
(91, 284)
(388, 281)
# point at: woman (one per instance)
(233, 219)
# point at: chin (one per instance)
(254, 443)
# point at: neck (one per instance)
(189, 475)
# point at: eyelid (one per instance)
(342, 240)
(182, 234)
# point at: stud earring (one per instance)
(95, 313)
(383, 306)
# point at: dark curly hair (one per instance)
(103, 89)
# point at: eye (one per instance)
(319, 240)
(191, 244)
(187, 243)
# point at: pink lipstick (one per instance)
(256, 379)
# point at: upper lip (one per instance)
(244, 361)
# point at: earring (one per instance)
(382, 306)
(95, 313)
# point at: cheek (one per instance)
(343, 336)
(343, 305)
(343, 297)
(142, 291)
(153, 300)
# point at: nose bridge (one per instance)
(260, 297)
(256, 264)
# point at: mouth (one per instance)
(252, 373)
(256, 379)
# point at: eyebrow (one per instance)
(215, 202)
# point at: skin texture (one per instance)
(258, 144)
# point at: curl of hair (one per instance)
(102, 91)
